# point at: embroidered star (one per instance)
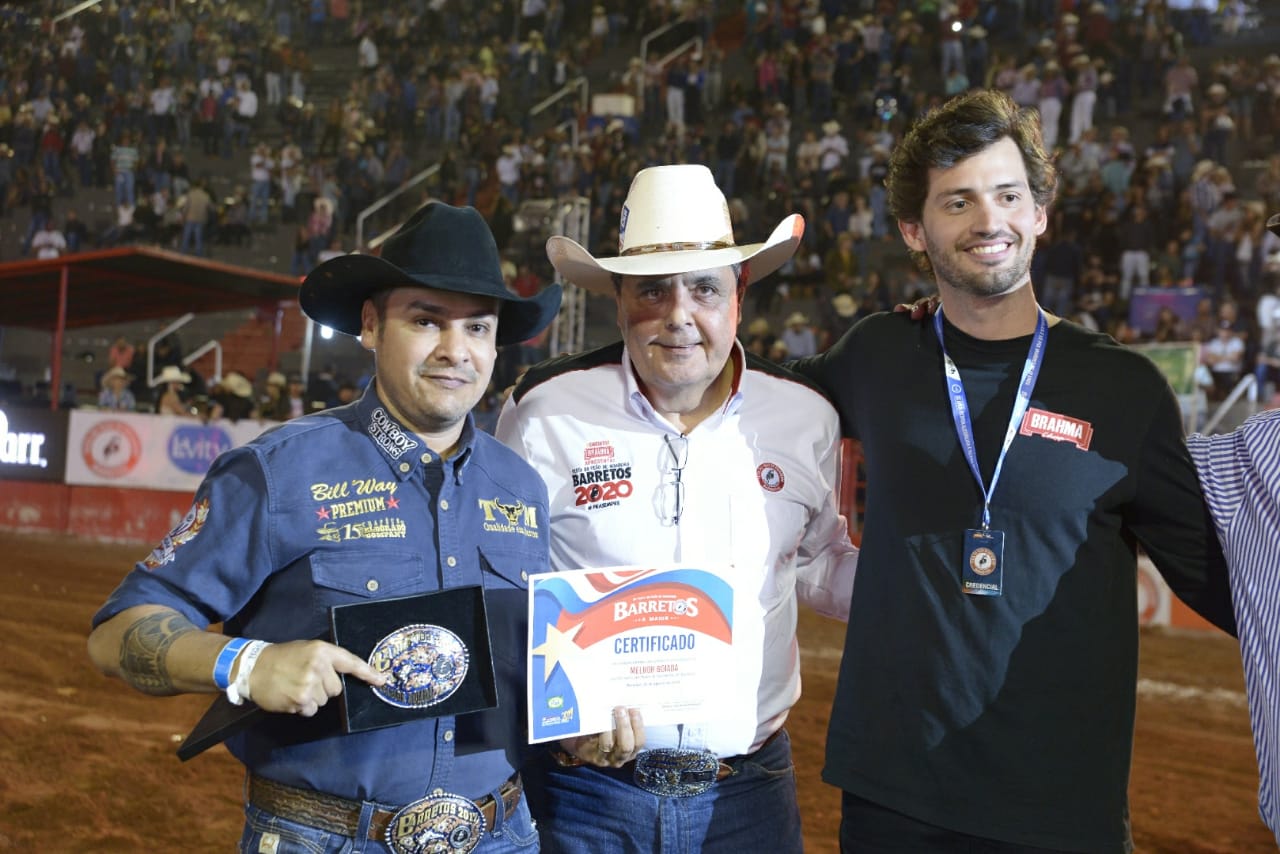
(392, 503)
(322, 513)
(558, 645)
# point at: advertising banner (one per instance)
(167, 452)
(33, 444)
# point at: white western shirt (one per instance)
(759, 495)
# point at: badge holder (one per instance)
(983, 573)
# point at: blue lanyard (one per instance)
(960, 406)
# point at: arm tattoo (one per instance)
(144, 648)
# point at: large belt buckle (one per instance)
(674, 773)
(438, 824)
(424, 665)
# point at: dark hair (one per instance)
(960, 128)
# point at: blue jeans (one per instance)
(192, 233)
(589, 810)
(124, 189)
(512, 835)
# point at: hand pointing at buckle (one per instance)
(301, 676)
(611, 748)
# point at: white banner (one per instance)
(137, 450)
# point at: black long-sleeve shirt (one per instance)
(1008, 717)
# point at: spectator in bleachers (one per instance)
(274, 405)
(124, 161)
(261, 167)
(75, 231)
(173, 400)
(1136, 234)
(232, 398)
(233, 219)
(798, 336)
(49, 242)
(121, 353)
(115, 393)
(196, 208)
(1224, 356)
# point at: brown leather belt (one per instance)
(339, 815)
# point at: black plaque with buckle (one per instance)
(434, 648)
(427, 639)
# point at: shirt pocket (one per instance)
(349, 576)
(506, 594)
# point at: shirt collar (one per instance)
(640, 405)
(404, 450)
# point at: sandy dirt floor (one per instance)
(88, 765)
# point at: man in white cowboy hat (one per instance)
(115, 393)
(706, 456)
(799, 336)
(384, 498)
(172, 400)
(834, 147)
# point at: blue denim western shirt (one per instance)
(348, 506)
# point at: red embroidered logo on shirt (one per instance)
(771, 477)
(1059, 428)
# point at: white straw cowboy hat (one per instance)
(172, 374)
(674, 220)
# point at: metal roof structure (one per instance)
(127, 284)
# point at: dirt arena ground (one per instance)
(88, 765)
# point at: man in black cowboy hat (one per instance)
(393, 495)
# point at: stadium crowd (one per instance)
(1164, 137)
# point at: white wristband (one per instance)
(238, 690)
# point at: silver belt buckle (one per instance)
(438, 824)
(673, 773)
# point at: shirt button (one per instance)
(426, 458)
(451, 560)
(524, 576)
(444, 505)
(437, 791)
(448, 735)
(372, 585)
(405, 467)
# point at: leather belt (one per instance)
(726, 767)
(342, 816)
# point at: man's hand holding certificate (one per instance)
(658, 640)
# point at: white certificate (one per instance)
(658, 639)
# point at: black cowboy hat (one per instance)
(441, 247)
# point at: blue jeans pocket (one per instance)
(265, 833)
(518, 831)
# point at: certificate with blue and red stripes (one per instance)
(658, 639)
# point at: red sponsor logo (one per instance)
(1059, 428)
(111, 449)
(598, 493)
(598, 452)
(771, 477)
